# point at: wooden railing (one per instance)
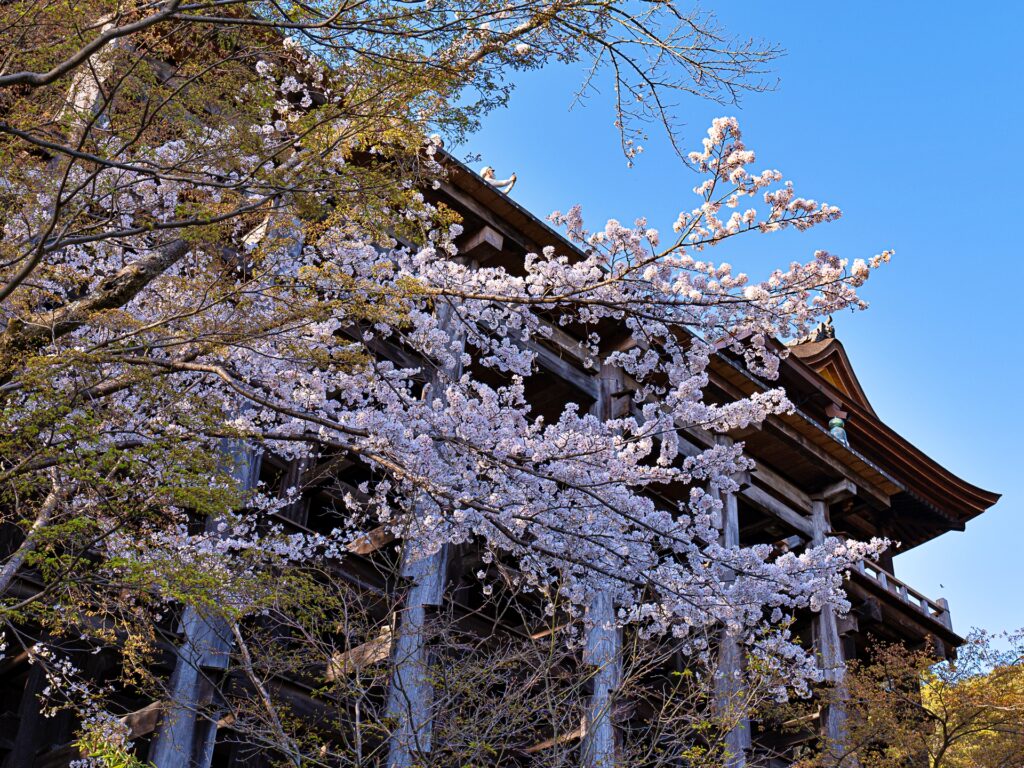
(937, 610)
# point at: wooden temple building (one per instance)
(832, 466)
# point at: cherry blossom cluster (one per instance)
(299, 328)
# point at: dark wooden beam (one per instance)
(484, 244)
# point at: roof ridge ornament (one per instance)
(502, 185)
(822, 331)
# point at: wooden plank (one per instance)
(547, 631)
(371, 541)
(554, 741)
(143, 721)
(353, 661)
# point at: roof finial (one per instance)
(501, 185)
(820, 332)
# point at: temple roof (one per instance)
(820, 368)
(828, 359)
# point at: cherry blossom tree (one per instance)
(215, 237)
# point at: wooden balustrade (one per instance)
(938, 610)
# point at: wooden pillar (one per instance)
(945, 617)
(728, 680)
(829, 644)
(184, 738)
(603, 650)
(603, 638)
(410, 695)
(26, 742)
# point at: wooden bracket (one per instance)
(869, 609)
(485, 243)
(847, 625)
(835, 411)
(843, 489)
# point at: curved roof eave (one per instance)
(922, 475)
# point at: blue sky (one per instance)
(909, 117)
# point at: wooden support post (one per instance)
(728, 680)
(829, 644)
(729, 699)
(411, 695)
(944, 617)
(184, 738)
(27, 741)
(603, 649)
(297, 510)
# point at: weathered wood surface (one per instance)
(768, 503)
(729, 693)
(603, 637)
(603, 650)
(23, 751)
(937, 610)
(354, 660)
(554, 741)
(829, 644)
(143, 722)
(410, 696)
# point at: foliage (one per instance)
(904, 708)
(222, 238)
